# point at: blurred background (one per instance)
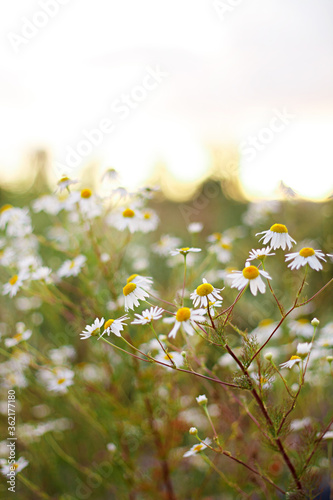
(170, 92)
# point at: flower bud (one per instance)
(329, 359)
(268, 356)
(193, 431)
(202, 400)
(315, 322)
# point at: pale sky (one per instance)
(222, 77)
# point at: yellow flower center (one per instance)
(294, 357)
(108, 323)
(217, 236)
(306, 252)
(86, 193)
(183, 314)
(279, 228)
(198, 447)
(15, 466)
(128, 213)
(129, 288)
(18, 337)
(185, 249)
(5, 207)
(266, 322)
(132, 277)
(72, 264)
(250, 272)
(147, 216)
(204, 289)
(61, 381)
(168, 357)
(63, 179)
(225, 246)
(13, 280)
(303, 321)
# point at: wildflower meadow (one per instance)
(149, 353)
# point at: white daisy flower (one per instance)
(142, 281)
(92, 330)
(306, 256)
(213, 306)
(49, 204)
(88, 203)
(301, 327)
(171, 358)
(184, 251)
(115, 326)
(222, 249)
(149, 220)
(278, 236)
(62, 355)
(204, 294)
(300, 423)
(195, 227)
(64, 183)
(197, 448)
(42, 274)
(148, 316)
(186, 319)
(14, 283)
(328, 435)
(17, 220)
(259, 254)
(129, 218)
(328, 329)
(18, 337)
(250, 274)
(16, 467)
(71, 267)
(133, 293)
(264, 382)
(202, 399)
(292, 361)
(303, 349)
(110, 175)
(265, 328)
(165, 244)
(58, 379)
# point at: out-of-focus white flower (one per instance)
(110, 175)
(16, 467)
(129, 218)
(278, 236)
(306, 256)
(249, 275)
(303, 349)
(149, 220)
(197, 448)
(195, 227)
(222, 248)
(184, 251)
(61, 355)
(299, 424)
(301, 327)
(258, 211)
(71, 267)
(18, 337)
(58, 379)
(42, 274)
(171, 358)
(14, 283)
(48, 204)
(165, 244)
(65, 182)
